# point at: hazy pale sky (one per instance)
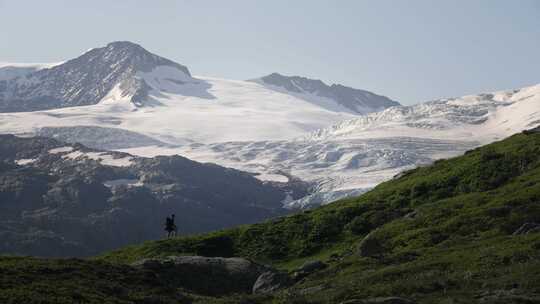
(411, 51)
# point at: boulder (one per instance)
(206, 275)
(370, 246)
(312, 266)
(307, 268)
(527, 228)
(271, 281)
(381, 300)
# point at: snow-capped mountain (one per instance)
(355, 100)
(124, 86)
(88, 79)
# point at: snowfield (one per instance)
(203, 110)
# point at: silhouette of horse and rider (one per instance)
(170, 227)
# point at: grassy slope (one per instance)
(456, 249)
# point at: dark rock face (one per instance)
(271, 281)
(84, 80)
(60, 199)
(206, 275)
(358, 101)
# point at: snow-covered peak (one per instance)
(116, 69)
(353, 100)
(485, 116)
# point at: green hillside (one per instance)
(438, 234)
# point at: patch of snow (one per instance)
(167, 79)
(73, 155)
(123, 182)
(287, 200)
(104, 158)
(38, 66)
(25, 161)
(109, 160)
(61, 150)
(269, 177)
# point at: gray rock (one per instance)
(534, 130)
(306, 269)
(271, 281)
(312, 266)
(208, 275)
(370, 246)
(380, 300)
(527, 228)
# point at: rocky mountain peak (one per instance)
(87, 79)
(134, 55)
(355, 100)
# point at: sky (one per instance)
(411, 51)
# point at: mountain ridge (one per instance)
(355, 100)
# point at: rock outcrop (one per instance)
(308, 268)
(271, 281)
(381, 300)
(210, 275)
